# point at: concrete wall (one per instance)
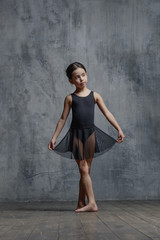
(118, 42)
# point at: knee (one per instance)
(84, 169)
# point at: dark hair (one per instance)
(72, 67)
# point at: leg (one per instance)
(78, 146)
(84, 167)
(87, 184)
(82, 194)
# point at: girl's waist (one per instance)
(81, 125)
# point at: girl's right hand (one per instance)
(51, 145)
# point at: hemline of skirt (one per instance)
(71, 156)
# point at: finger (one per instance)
(49, 147)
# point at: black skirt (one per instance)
(84, 143)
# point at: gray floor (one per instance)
(125, 220)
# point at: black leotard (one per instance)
(82, 111)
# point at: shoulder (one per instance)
(68, 99)
(97, 97)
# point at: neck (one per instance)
(84, 89)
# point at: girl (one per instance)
(84, 140)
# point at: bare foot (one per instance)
(80, 205)
(90, 207)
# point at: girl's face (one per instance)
(79, 78)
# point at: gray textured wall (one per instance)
(118, 42)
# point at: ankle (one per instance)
(81, 201)
(92, 202)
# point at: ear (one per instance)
(70, 80)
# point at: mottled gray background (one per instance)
(118, 42)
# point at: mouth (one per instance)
(82, 83)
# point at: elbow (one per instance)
(62, 120)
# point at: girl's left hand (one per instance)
(121, 136)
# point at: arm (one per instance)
(108, 114)
(62, 120)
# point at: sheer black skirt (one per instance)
(84, 143)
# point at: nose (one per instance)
(82, 78)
